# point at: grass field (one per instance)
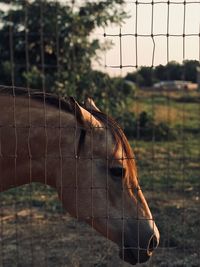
(35, 231)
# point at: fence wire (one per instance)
(34, 228)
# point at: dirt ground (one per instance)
(40, 234)
(43, 239)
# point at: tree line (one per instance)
(147, 76)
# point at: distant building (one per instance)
(175, 85)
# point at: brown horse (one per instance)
(85, 155)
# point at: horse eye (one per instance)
(117, 173)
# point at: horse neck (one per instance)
(32, 142)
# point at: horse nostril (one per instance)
(153, 243)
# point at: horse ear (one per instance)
(84, 117)
(90, 105)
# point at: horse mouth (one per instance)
(128, 256)
(132, 256)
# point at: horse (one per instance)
(83, 154)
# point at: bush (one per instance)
(128, 122)
(164, 133)
(143, 127)
(112, 95)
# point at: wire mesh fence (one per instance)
(50, 46)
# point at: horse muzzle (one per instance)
(135, 253)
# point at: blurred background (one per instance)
(140, 61)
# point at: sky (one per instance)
(181, 20)
(145, 50)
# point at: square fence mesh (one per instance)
(59, 158)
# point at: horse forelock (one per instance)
(121, 143)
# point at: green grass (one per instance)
(169, 174)
(170, 108)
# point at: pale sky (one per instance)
(176, 51)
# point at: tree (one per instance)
(143, 77)
(48, 42)
(135, 77)
(190, 70)
(148, 75)
(160, 73)
(174, 71)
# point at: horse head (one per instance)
(105, 191)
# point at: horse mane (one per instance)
(120, 139)
(47, 98)
(62, 103)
